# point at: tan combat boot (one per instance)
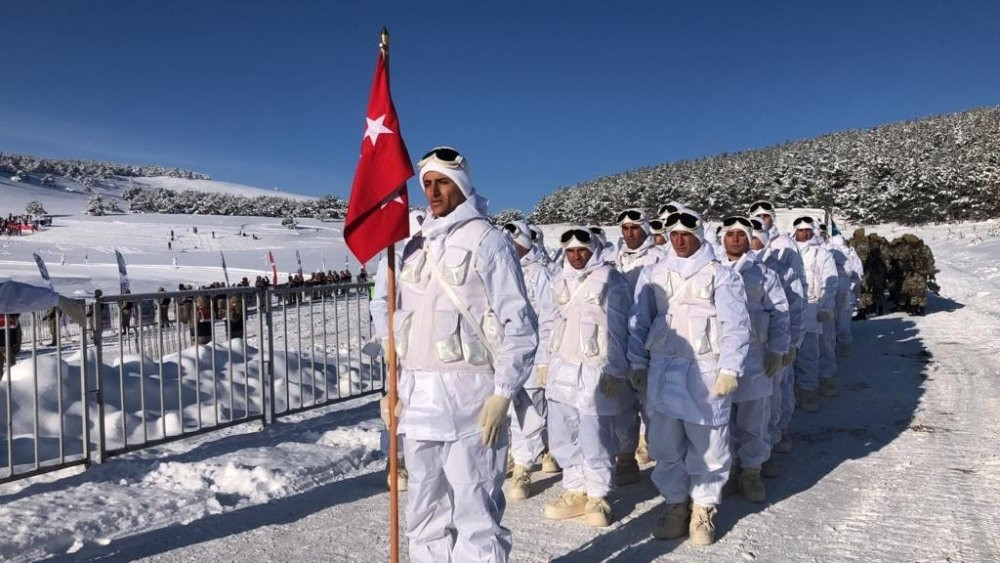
(597, 513)
(626, 469)
(702, 528)
(570, 504)
(751, 486)
(769, 469)
(401, 476)
(810, 400)
(519, 486)
(784, 445)
(674, 521)
(549, 464)
(642, 452)
(828, 388)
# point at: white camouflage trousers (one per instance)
(527, 429)
(749, 430)
(692, 460)
(807, 362)
(584, 446)
(455, 500)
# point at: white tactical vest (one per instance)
(580, 335)
(690, 329)
(431, 333)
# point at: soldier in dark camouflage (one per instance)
(917, 263)
(871, 251)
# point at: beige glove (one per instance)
(725, 383)
(383, 408)
(493, 418)
(610, 385)
(789, 358)
(73, 309)
(773, 363)
(542, 371)
(638, 379)
(823, 316)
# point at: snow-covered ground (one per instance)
(903, 466)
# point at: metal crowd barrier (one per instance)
(167, 365)
(45, 398)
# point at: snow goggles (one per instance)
(445, 155)
(510, 228)
(667, 209)
(807, 220)
(631, 215)
(757, 225)
(732, 220)
(582, 235)
(761, 205)
(656, 226)
(686, 219)
(535, 233)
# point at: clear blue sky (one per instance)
(536, 94)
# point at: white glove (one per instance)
(772, 363)
(789, 358)
(383, 408)
(610, 385)
(823, 316)
(493, 418)
(542, 371)
(638, 379)
(725, 383)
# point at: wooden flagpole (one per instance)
(393, 394)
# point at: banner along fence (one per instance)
(167, 365)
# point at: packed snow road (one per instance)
(903, 466)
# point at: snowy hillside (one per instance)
(902, 467)
(933, 169)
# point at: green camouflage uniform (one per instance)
(871, 251)
(917, 262)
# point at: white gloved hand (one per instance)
(638, 379)
(725, 383)
(772, 363)
(823, 316)
(73, 309)
(493, 418)
(610, 385)
(542, 371)
(789, 358)
(383, 409)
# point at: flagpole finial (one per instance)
(383, 44)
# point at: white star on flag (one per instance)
(376, 128)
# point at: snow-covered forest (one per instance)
(924, 170)
(79, 170)
(190, 202)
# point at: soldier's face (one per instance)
(736, 242)
(685, 244)
(633, 235)
(578, 257)
(755, 244)
(766, 219)
(802, 235)
(659, 239)
(443, 195)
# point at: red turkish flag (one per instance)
(378, 210)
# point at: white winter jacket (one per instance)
(629, 261)
(769, 320)
(689, 321)
(588, 337)
(822, 282)
(538, 283)
(447, 371)
(779, 261)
